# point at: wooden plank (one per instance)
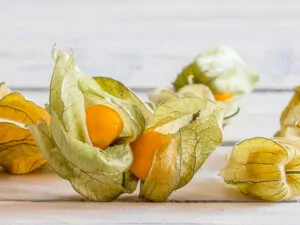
(134, 68)
(45, 186)
(249, 126)
(44, 198)
(263, 9)
(142, 44)
(28, 213)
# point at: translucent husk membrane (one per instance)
(265, 168)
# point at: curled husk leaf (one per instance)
(290, 118)
(224, 72)
(96, 174)
(195, 128)
(265, 168)
(18, 151)
(161, 95)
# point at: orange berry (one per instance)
(143, 149)
(104, 125)
(222, 97)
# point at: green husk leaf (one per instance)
(195, 126)
(161, 95)
(96, 174)
(172, 115)
(115, 159)
(79, 92)
(120, 91)
(94, 186)
(230, 107)
(197, 90)
(198, 140)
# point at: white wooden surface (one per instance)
(145, 44)
(136, 40)
(82, 213)
(46, 198)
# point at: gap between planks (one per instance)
(148, 89)
(148, 202)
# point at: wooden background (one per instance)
(145, 44)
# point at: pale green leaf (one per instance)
(197, 90)
(78, 91)
(161, 95)
(115, 159)
(94, 186)
(120, 91)
(96, 174)
(170, 116)
(198, 140)
(230, 107)
(195, 126)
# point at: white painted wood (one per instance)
(249, 126)
(132, 67)
(147, 44)
(28, 213)
(44, 198)
(45, 186)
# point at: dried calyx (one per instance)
(265, 168)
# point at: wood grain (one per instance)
(45, 198)
(46, 186)
(144, 45)
(147, 44)
(149, 213)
